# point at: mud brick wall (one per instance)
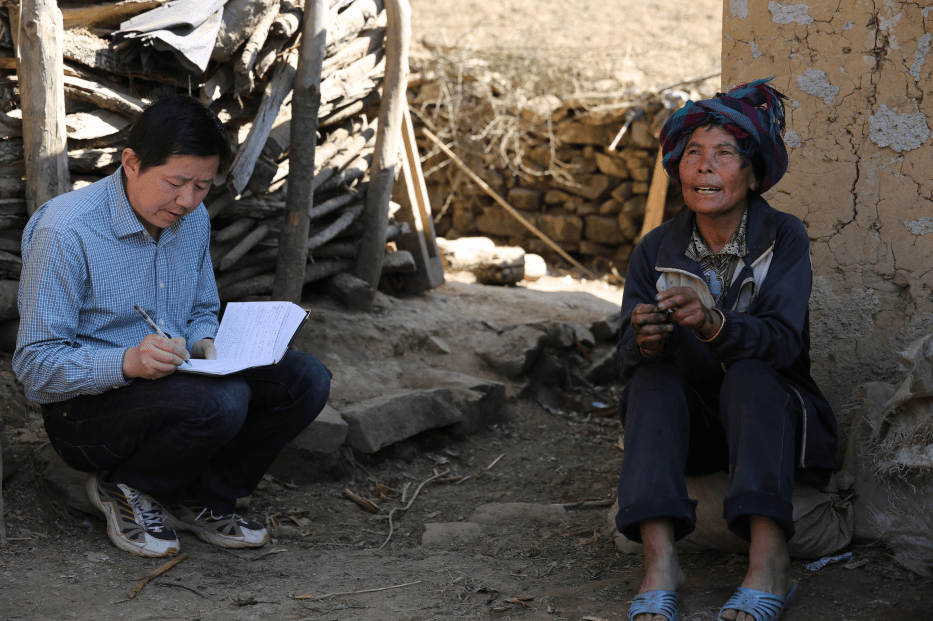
(857, 75)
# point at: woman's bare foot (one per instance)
(768, 564)
(662, 568)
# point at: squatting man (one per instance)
(169, 451)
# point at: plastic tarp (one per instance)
(187, 28)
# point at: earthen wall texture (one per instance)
(860, 106)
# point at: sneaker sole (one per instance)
(208, 535)
(112, 532)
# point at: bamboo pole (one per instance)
(522, 219)
(389, 133)
(306, 101)
(41, 74)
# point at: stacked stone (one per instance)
(579, 189)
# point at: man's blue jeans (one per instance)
(186, 436)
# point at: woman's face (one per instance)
(713, 181)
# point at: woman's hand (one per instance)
(652, 329)
(688, 311)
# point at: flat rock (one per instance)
(515, 351)
(377, 423)
(325, 435)
(67, 482)
(520, 512)
(607, 328)
(482, 402)
(447, 534)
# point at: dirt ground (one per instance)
(60, 564)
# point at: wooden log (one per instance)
(399, 261)
(239, 21)
(257, 285)
(319, 270)
(340, 161)
(396, 230)
(234, 230)
(245, 245)
(266, 255)
(342, 250)
(107, 15)
(220, 203)
(347, 25)
(219, 83)
(343, 83)
(365, 44)
(84, 47)
(333, 204)
(339, 115)
(12, 187)
(306, 101)
(243, 66)
(12, 150)
(94, 125)
(40, 71)
(287, 22)
(264, 172)
(96, 93)
(347, 218)
(385, 158)
(243, 273)
(90, 160)
(356, 170)
(276, 89)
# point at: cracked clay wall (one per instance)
(857, 74)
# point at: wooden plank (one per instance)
(657, 196)
(105, 15)
(42, 97)
(412, 195)
(385, 159)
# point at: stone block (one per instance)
(592, 249)
(451, 534)
(515, 351)
(610, 207)
(325, 435)
(607, 328)
(629, 226)
(640, 187)
(575, 132)
(377, 423)
(495, 221)
(641, 173)
(69, 484)
(464, 220)
(582, 165)
(524, 199)
(517, 512)
(622, 192)
(611, 165)
(604, 369)
(590, 187)
(603, 230)
(586, 209)
(623, 254)
(640, 134)
(352, 292)
(482, 402)
(539, 155)
(556, 197)
(564, 229)
(535, 267)
(635, 206)
(539, 110)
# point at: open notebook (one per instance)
(251, 334)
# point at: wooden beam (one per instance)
(385, 159)
(42, 94)
(657, 196)
(106, 15)
(306, 101)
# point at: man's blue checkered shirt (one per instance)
(86, 261)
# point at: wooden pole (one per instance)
(657, 196)
(386, 157)
(42, 93)
(306, 101)
(502, 202)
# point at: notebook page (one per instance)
(249, 331)
(296, 315)
(217, 367)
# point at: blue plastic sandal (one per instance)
(763, 606)
(655, 603)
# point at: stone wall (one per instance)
(857, 76)
(559, 168)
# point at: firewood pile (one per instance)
(248, 83)
(579, 166)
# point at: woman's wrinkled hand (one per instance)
(652, 329)
(688, 311)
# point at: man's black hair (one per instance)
(178, 125)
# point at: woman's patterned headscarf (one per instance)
(753, 113)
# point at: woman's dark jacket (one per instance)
(766, 309)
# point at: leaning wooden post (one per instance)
(386, 156)
(42, 95)
(306, 101)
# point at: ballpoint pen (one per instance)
(153, 325)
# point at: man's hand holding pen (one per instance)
(155, 356)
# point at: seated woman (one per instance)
(715, 346)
